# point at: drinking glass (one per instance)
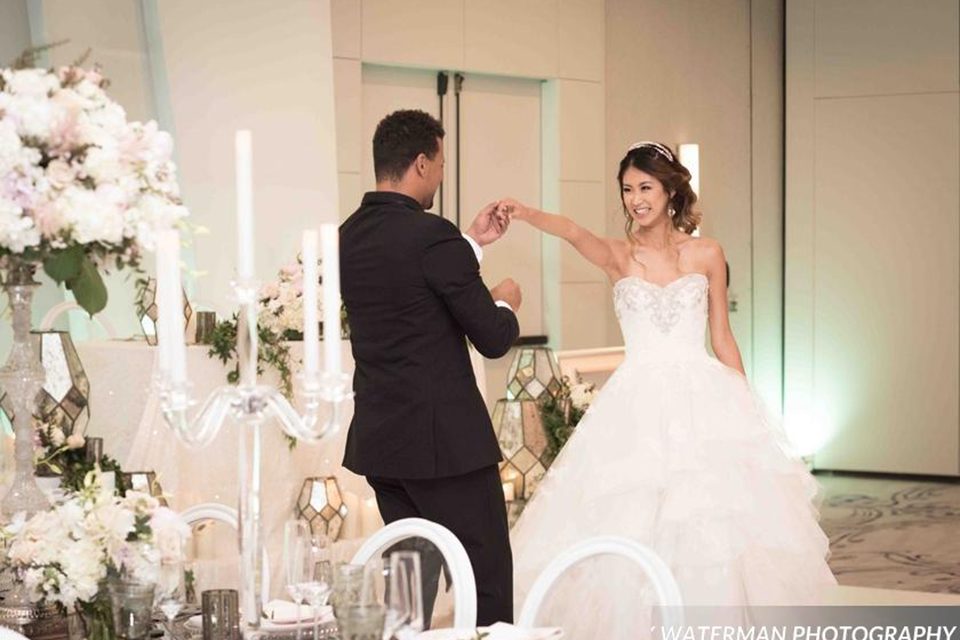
(404, 615)
(296, 552)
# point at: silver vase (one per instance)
(22, 377)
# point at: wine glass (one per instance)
(170, 594)
(296, 551)
(404, 618)
(318, 568)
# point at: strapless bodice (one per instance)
(662, 322)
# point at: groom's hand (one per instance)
(508, 291)
(489, 225)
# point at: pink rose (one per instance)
(60, 173)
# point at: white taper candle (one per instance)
(311, 332)
(329, 243)
(170, 296)
(244, 158)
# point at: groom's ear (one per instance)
(420, 165)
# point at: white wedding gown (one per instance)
(676, 453)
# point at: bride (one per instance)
(675, 452)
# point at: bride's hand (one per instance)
(512, 208)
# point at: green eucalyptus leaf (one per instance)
(88, 288)
(64, 265)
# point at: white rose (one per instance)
(75, 441)
(57, 437)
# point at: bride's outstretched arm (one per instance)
(597, 250)
(721, 336)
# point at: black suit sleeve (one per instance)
(451, 270)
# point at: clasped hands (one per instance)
(487, 227)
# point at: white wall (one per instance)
(873, 220)
(261, 66)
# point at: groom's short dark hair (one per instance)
(400, 138)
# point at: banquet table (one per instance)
(125, 412)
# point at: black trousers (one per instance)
(471, 506)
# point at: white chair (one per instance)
(461, 571)
(227, 515)
(47, 323)
(664, 586)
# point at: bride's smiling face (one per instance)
(644, 197)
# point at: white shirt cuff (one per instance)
(477, 251)
(501, 303)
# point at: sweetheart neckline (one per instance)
(661, 286)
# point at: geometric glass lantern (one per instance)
(518, 425)
(321, 505)
(533, 372)
(148, 312)
(142, 482)
(64, 398)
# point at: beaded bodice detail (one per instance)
(662, 322)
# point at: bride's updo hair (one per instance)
(659, 161)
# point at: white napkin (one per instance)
(499, 631)
(504, 631)
(285, 612)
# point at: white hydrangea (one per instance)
(33, 83)
(74, 171)
(10, 147)
(103, 164)
(151, 215)
(92, 216)
(17, 231)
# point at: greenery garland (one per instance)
(58, 456)
(560, 417)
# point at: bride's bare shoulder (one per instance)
(701, 246)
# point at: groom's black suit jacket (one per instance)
(412, 289)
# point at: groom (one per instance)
(411, 285)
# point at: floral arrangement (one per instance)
(563, 412)
(281, 304)
(279, 319)
(81, 188)
(64, 554)
(57, 454)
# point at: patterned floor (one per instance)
(893, 534)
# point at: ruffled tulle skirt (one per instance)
(681, 457)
